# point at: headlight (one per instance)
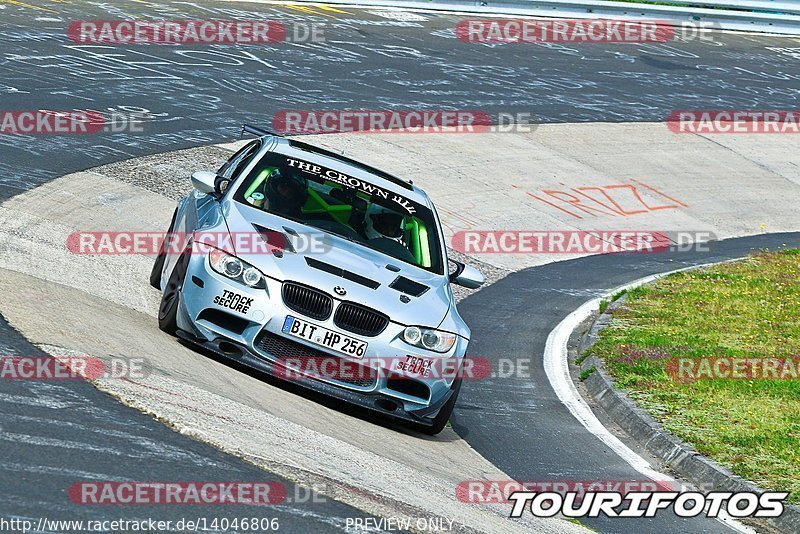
(236, 269)
(428, 339)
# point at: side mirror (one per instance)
(466, 276)
(205, 182)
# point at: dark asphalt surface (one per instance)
(199, 94)
(519, 424)
(54, 434)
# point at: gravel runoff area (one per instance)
(168, 175)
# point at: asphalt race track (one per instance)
(202, 95)
(535, 437)
(52, 434)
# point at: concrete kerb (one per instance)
(645, 430)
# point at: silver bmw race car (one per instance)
(316, 268)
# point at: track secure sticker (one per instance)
(415, 365)
(234, 301)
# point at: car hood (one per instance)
(418, 297)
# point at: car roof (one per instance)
(351, 167)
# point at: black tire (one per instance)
(171, 299)
(441, 419)
(158, 266)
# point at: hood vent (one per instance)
(338, 271)
(409, 287)
(275, 239)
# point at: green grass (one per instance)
(744, 309)
(586, 373)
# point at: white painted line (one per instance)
(557, 368)
(556, 365)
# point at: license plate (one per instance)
(324, 337)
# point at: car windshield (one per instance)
(344, 205)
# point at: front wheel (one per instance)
(441, 419)
(171, 299)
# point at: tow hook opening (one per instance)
(387, 404)
(229, 348)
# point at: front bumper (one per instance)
(375, 402)
(247, 329)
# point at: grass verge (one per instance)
(747, 309)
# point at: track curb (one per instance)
(649, 433)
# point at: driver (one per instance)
(285, 193)
(383, 223)
(384, 229)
